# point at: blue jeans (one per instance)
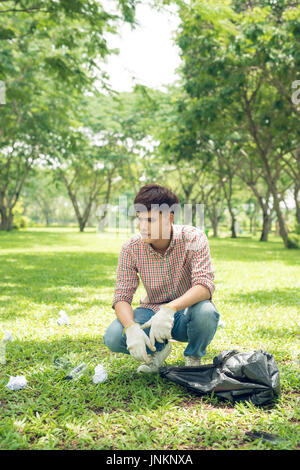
(195, 325)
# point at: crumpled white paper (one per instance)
(100, 374)
(221, 324)
(16, 383)
(8, 336)
(63, 319)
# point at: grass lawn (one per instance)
(45, 270)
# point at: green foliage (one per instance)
(20, 220)
(238, 65)
(50, 52)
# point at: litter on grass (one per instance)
(7, 336)
(16, 383)
(100, 374)
(233, 376)
(62, 362)
(63, 319)
(264, 436)
(77, 372)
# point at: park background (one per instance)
(223, 133)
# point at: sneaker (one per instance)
(192, 361)
(156, 360)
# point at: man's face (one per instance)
(154, 225)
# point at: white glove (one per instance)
(136, 340)
(161, 325)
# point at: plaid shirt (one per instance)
(185, 263)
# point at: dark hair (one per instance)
(153, 193)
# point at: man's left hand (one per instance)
(161, 324)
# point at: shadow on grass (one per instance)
(40, 239)
(282, 297)
(34, 239)
(54, 277)
(245, 250)
(240, 249)
(279, 332)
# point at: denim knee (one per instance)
(142, 315)
(204, 315)
(113, 336)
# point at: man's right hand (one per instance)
(136, 340)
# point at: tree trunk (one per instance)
(297, 203)
(273, 190)
(214, 220)
(47, 216)
(6, 218)
(271, 181)
(228, 195)
(101, 224)
(82, 219)
(233, 220)
(194, 222)
(47, 220)
(103, 219)
(215, 228)
(254, 223)
(266, 226)
(82, 224)
(282, 226)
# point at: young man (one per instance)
(174, 264)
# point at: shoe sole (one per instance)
(193, 365)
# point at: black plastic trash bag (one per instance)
(234, 376)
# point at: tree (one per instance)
(90, 180)
(224, 53)
(292, 169)
(40, 194)
(49, 56)
(34, 111)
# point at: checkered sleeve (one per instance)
(127, 277)
(201, 263)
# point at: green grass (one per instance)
(45, 270)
